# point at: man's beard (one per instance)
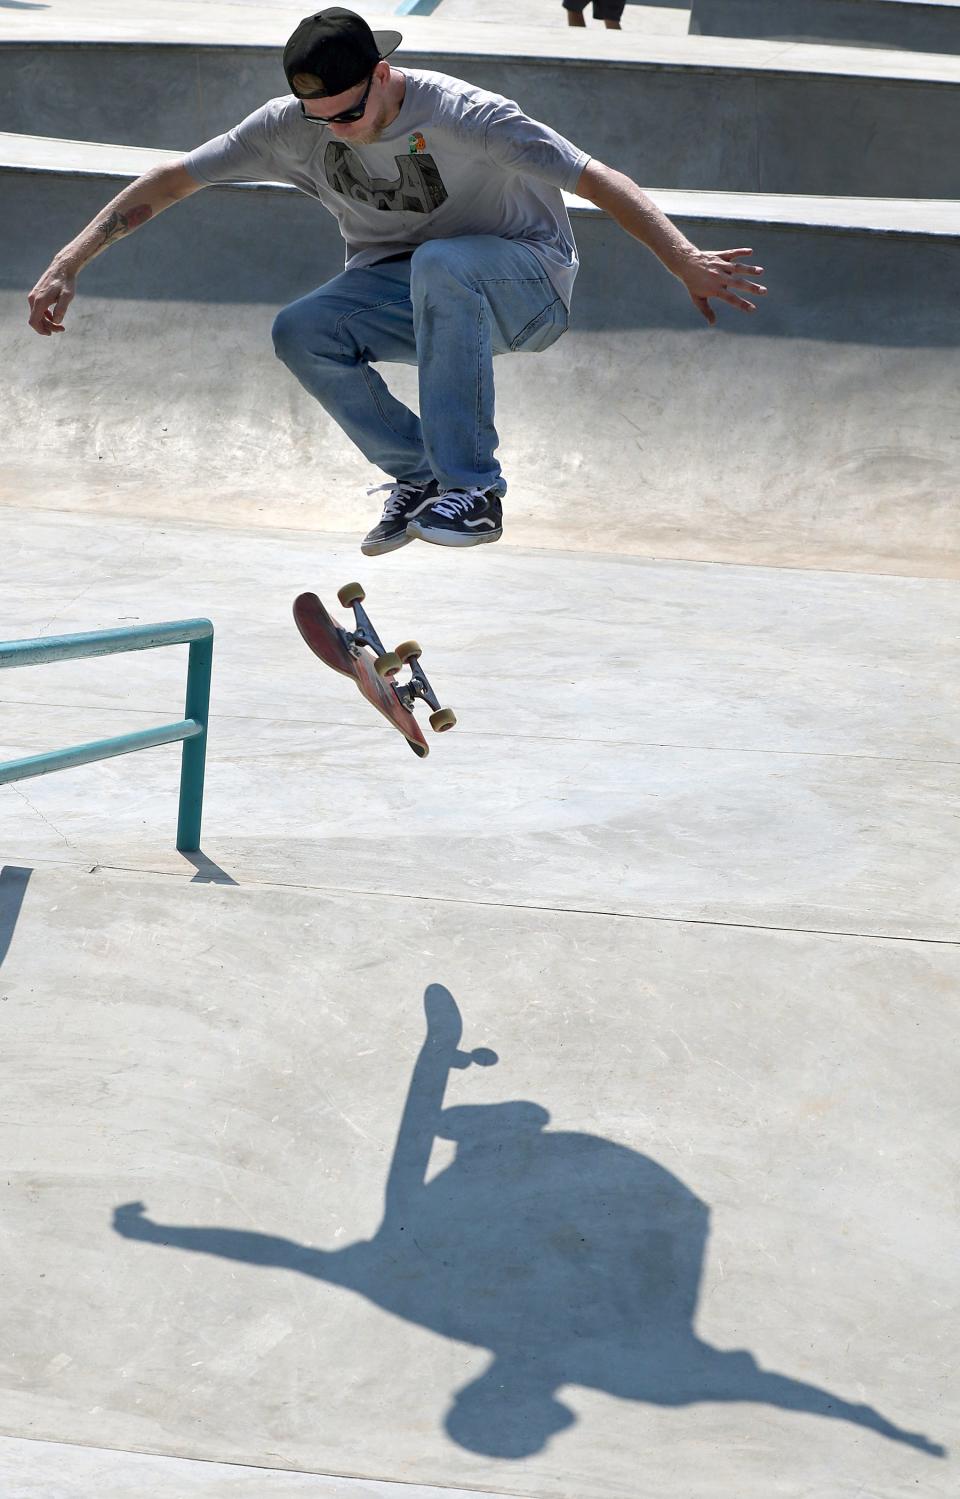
(368, 138)
(370, 135)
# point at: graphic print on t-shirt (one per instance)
(417, 189)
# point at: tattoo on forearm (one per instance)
(117, 224)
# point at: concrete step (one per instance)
(911, 25)
(30, 1469)
(696, 112)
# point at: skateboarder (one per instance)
(458, 247)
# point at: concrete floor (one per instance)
(700, 902)
(569, 1115)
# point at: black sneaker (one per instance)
(460, 518)
(403, 502)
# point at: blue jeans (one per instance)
(447, 309)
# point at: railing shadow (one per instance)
(574, 1260)
(208, 873)
(13, 888)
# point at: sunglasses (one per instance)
(346, 116)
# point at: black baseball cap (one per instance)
(333, 50)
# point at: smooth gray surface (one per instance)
(744, 745)
(759, 1119)
(36, 1470)
(662, 1234)
(822, 431)
(723, 116)
(916, 25)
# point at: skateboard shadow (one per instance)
(574, 1260)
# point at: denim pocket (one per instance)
(543, 330)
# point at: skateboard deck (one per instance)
(330, 642)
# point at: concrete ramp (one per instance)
(821, 432)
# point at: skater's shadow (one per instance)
(575, 1261)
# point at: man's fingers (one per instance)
(733, 259)
(738, 265)
(704, 308)
(724, 294)
(48, 309)
(725, 281)
(735, 301)
(42, 322)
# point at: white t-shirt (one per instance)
(457, 160)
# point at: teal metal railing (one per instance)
(192, 728)
(417, 7)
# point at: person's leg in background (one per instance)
(574, 10)
(610, 12)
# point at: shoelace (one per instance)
(457, 502)
(400, 496)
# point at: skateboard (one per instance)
(359, 654)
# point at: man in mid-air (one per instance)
(458, 247)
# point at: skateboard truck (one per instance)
(388, 664)
(359, 654)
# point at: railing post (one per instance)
(193, 763)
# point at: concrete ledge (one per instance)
(28, 1468)
(704, 114)
(239, 26)
(931, 26)
(931, 217)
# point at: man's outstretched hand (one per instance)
(720, 274)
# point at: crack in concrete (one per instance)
(23, 797)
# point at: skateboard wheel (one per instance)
(409, 651)
(351, 593)
(387, 665)
(443, 719)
